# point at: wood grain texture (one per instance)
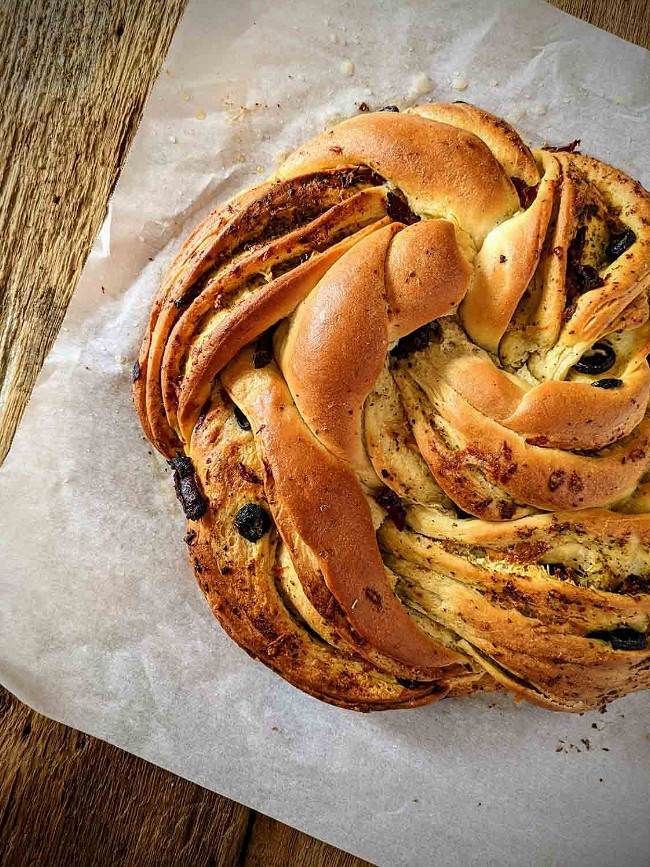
(629, 19)
(69, 799)
(273, 844)
(75, 75)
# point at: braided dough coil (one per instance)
(403, 386)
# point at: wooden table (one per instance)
(75, 76)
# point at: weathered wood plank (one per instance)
(629, 19)
(273, 844)
(75, 76)
(70, 799)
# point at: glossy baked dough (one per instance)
(403, 386)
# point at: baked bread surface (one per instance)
(403, 386)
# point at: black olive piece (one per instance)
(182, 466)
(585, 278)
(619, 243)
(241, 419)
(389, 108)
(388, 499)
(136, 371)
(252, 522)
(397, 209)
(577, 245)
(186, 487)
(462, 514)
(416, 340)
(600, 358)
(263, 352)
(622, 638)
(634, 584)
(608, 383)
(187, 297)
(410, 684)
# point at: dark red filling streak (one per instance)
(526, 194)
(567, 148)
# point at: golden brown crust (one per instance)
(505, 265)
(499, 136)
(442, 170)
(539, 476)
(406, 403)
(322, 500)
(239, 579)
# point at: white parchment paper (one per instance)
(103, 626)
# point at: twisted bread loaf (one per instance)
(403, 387)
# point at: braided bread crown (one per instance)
(403, 387)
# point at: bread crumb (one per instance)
(459, 83)
(493, 82)
(186, 96)
(539, 109)
(347, 68)
(235, 114)
(172, 139)
(421, 84)
(281, 156)
(200, 114)
(260, 170)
